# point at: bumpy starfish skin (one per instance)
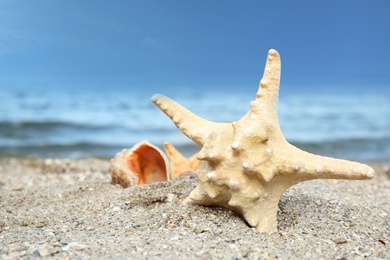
(249, 162)
(181, 166)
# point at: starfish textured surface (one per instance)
(249, 162)
(181, 166)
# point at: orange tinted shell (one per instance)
(142, 164)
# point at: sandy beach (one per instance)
(69, 209)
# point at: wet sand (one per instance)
(69, 209)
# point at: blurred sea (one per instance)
(81, 122)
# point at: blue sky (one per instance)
(175, 44)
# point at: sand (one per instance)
(69, 209)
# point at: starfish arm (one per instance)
(184, 119)
(309, 166)
(180, 165)
(269, 85)
(172, 152)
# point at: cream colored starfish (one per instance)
(181, 166)
(249, 162)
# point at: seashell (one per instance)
(142, 164)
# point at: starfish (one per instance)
(249, 162)
(181, 166)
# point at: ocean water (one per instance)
(81, 122)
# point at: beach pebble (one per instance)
(340, 239)
(202, 229)
(364, 251)
(170, 197)
(42, 252)
(65, 228)
(81, 247)
(116, 208)
(17, 187)
(65, 247)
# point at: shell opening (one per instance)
(148, 164)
